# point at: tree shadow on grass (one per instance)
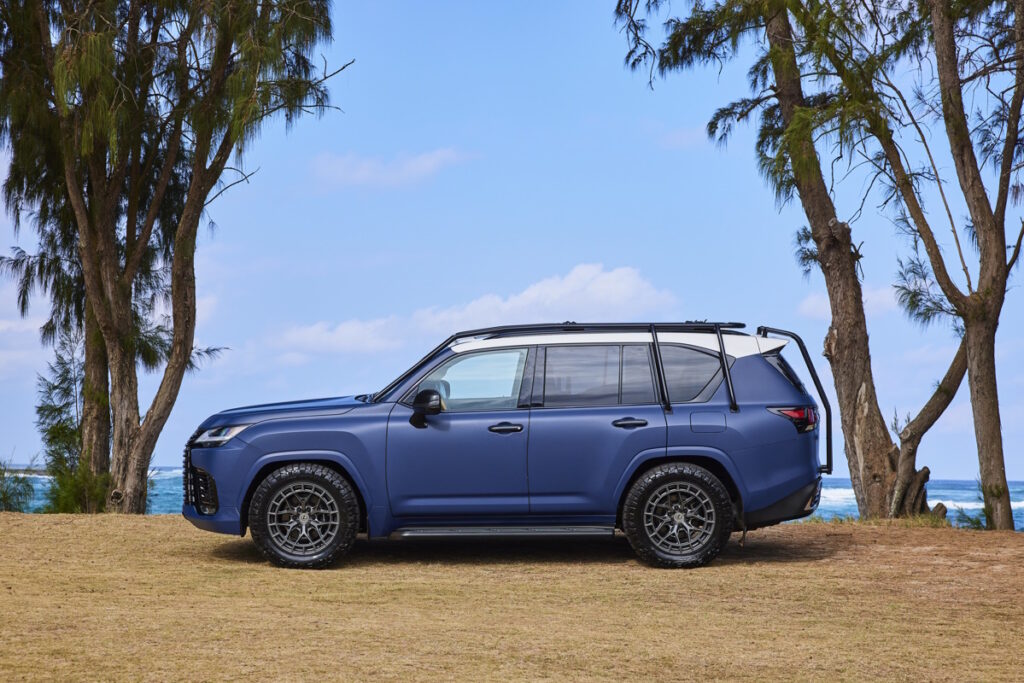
(773, 550)
(537, 551)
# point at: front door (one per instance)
(596, 409)
(470, 459)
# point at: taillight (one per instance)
(804, 418)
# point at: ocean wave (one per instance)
(830, 496)
(166, 474)
(972, 504)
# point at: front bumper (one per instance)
(800, 503)
(226, 521)
(213, 487)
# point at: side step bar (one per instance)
(500, 531)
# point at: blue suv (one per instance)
(678, 434)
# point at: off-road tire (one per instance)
(334, 484)
(647, 485)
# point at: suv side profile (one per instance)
(678, 434)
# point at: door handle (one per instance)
(629, 423)
(505, 428)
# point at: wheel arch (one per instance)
(336, 461)
(716, 464)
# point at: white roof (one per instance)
(736, 345)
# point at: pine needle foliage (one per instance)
(73, 487)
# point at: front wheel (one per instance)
(677, 515)
(304, 515)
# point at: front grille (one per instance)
(186, 468)
(198, 486)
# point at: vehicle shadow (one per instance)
(615, 550)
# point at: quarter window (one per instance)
(688, 371)
(637, 380)
(488, 380)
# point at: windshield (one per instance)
(386, 392)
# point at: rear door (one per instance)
(594, 409)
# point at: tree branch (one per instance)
(957, 130)
(1012, 120)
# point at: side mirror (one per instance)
(427, 402)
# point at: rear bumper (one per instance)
(800, 503)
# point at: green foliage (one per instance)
(981, 520)
(15, 490)
(73, 488)
(918, 294)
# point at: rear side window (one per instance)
(688, 372)
(581, 376)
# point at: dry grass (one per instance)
(110, 597)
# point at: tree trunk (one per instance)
(981, 378)
(127, 492)
(135, 439)
(95, 400)
(908, 496)
(870, 450)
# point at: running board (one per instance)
(494, 531)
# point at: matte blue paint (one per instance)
(566, 466)
(707, 421)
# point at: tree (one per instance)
(36, 180)
(142, 96)
(977, 51)
(74, 487)
(884, 475)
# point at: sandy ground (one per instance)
(110, 597)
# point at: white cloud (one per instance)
(347, 336)
(205, 307)
(13, 325)
(684, 138)
(931, 354)
(587, 293)
(21, 354)
(815, 305)
(877, 301)
(351, 169)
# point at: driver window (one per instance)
(489, 380)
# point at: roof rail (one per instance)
(571, 326)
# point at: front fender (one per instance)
(283, 457)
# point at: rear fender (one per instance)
(682, 453)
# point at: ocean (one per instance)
(837, 498)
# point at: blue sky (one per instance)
(495, 162)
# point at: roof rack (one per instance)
(571, 326)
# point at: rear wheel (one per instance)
(304, 515)
(677, 515)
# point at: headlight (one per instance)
(218, 436)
